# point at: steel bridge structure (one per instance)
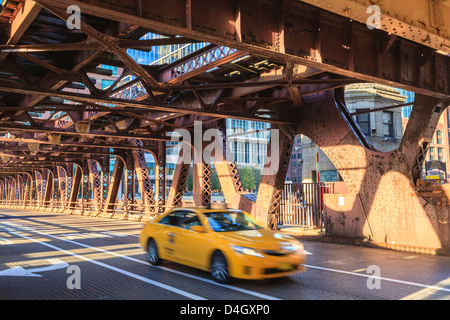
(284, 62)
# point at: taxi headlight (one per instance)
(247, 251)
(294, 247)
(298, 247)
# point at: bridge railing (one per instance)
(302, 204)
(121, 210)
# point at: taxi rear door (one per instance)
(170, 226)
(192, 246)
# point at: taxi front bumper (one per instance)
(249, 267)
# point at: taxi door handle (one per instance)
(171, 237)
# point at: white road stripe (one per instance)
(115, 233)
(135, 276)
(380, 278)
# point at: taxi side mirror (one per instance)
(197, 228)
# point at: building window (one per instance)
(439, 137)
(388, 124)
(246, 152)
(364, 121)
(441, 154)
(406, 112)
(106, 83)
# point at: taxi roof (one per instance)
(215, 207)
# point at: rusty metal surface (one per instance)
(382, 205)
(420, 21)
(281, 62)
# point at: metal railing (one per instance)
(136, 211)
(302, 204)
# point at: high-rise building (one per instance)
(439, 149)
(294, 173)
(409, 98)
(163, 54)
(248, 141)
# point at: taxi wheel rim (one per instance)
(219, 268)
(152, 253)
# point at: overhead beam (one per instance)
(67, 143)
(421, 21)
(89, 45)
(73, 132)
(165, 107)
(288, 31)
(112, 44)
(20, 24)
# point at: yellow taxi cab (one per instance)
(227, 243)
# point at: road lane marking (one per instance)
(115, 233)
(249, 292)
(4, 241)
(22, 272)
(124, 272)
(375, 277)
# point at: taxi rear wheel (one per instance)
(152, 253)
(219, 268)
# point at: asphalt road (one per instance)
(52, 256)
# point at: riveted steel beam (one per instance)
(290, 31)
(383, 203)
(122, 103)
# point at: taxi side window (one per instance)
(182, 219)
(190, 221)
(173, 218)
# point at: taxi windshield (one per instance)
(230, 221)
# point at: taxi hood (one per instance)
(258, 238)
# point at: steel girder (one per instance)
(290, 31)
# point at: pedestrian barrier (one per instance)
(302, 204)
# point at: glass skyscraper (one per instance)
(163, 54)
(410, 96)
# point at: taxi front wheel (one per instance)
(219, 268)
(152, 253)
